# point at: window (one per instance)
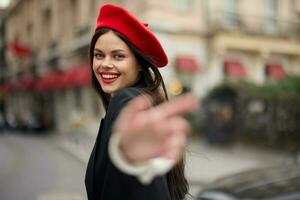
(47, 25)
(271, 15)
(230, 13)
(183, 5)
(230, 5)
(29, 29)
(74, 14)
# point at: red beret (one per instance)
(120, 20)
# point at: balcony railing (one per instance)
(229, 21)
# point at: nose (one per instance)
(107, 63)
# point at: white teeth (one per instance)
(109, 76)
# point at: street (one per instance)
(34, 168)
(47, 167)
(206, 163)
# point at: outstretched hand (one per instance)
(149, 132)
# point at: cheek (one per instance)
(95, 65)
(130, 76)
(135, 75)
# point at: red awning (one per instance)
(74, 77)
(4, 89)
(20, 50)
(29, 83)
(77, 77)
(26, 83)
(187, 64)
(50, 81)
(83, 77)
(234, 69)
(276, 71)
(67, 78)
(15, 85)
(23, 83)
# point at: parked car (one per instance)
(273, 183)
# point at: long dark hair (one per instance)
(151, 82)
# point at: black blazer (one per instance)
(103, 180)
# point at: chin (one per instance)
(110, 91)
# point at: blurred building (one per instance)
(2, 44)
(207, 41)
(253, 40)
(2, 41)
(2, 60)
(48, 69)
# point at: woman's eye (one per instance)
(98, 55)
(119, 57)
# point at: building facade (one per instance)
(2, 62)
(207, 41)
(262, 37)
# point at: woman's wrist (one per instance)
(145, 171)
(117, 157)
(123, 148)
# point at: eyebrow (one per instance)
(114, 51)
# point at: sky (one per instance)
(4, 3)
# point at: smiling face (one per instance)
(114, 64)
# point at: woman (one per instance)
(140, 139)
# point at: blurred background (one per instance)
(240, 58)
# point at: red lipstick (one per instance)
(108, 77)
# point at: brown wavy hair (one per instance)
(151, 82)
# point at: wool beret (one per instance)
(118, 19)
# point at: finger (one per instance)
(181, 105)
(174, 146)
(138, 104)
(178, 124)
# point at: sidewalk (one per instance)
(204, 163)
(78, 144)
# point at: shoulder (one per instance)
(126, 93)
(121, 98)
